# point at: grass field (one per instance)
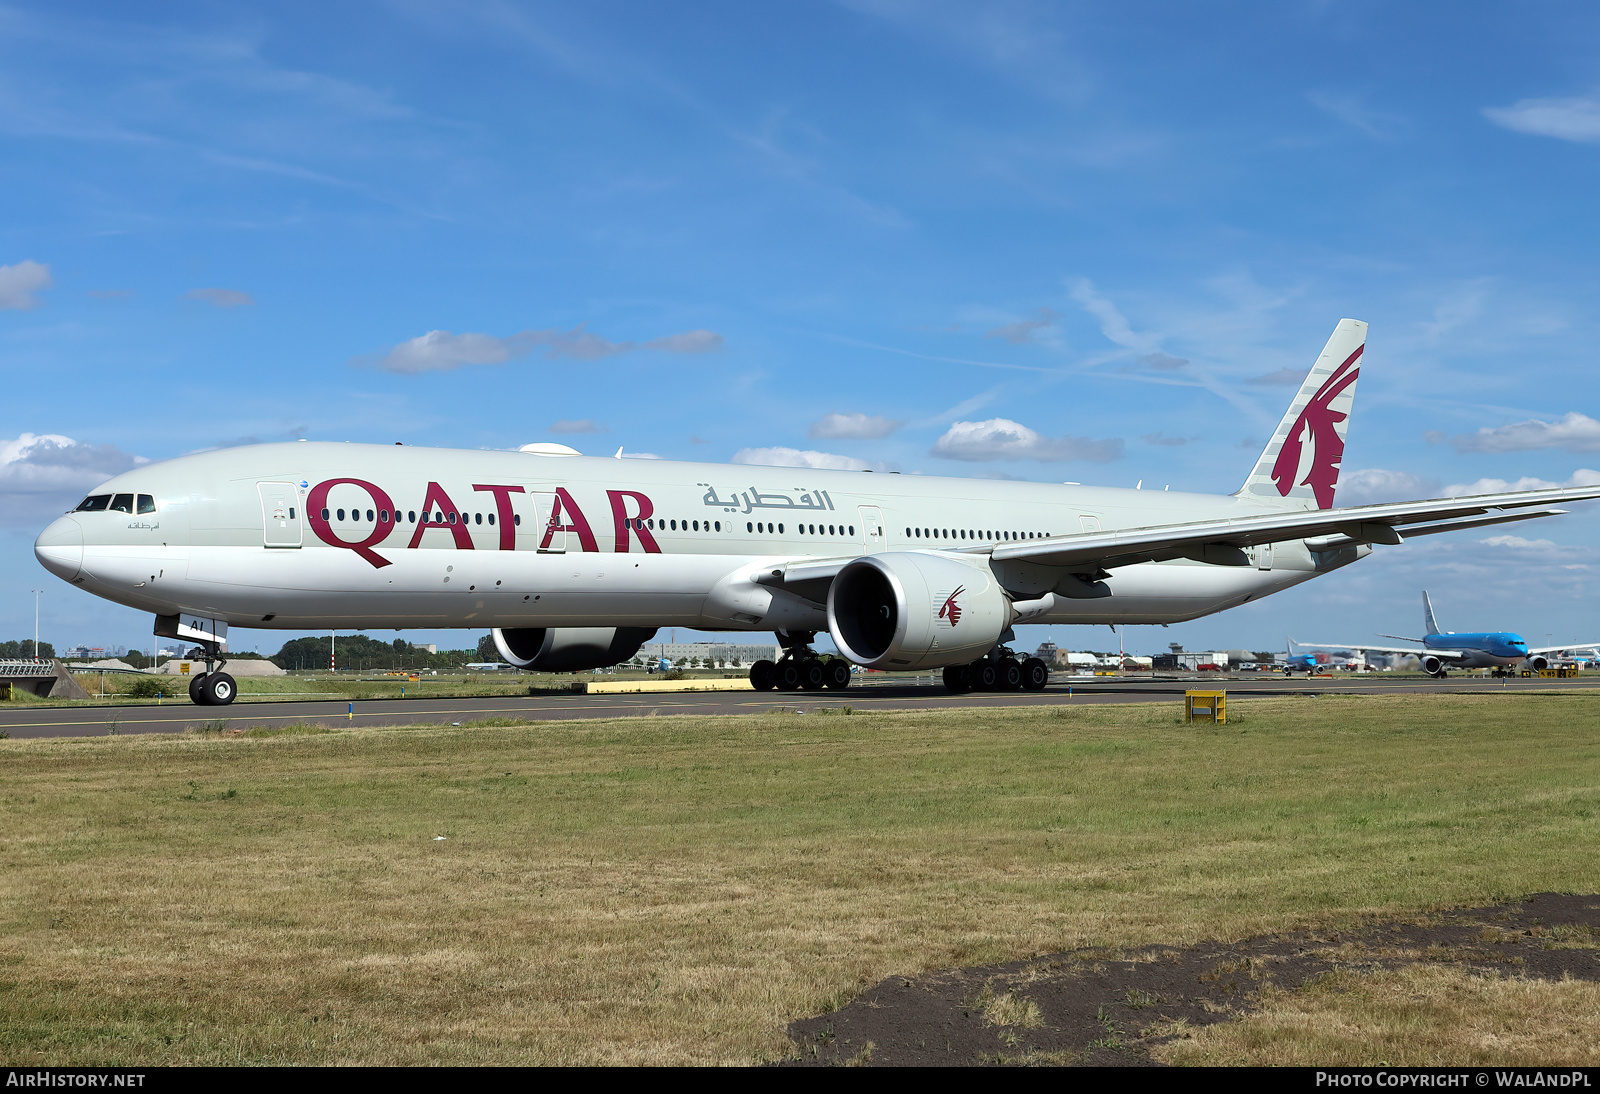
(675, 890)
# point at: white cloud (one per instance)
(1023, 332)
(853, 426)
(50, 463)
(1003, 439)
(797, 457)
(222, 298)
(692, 341)
(1113, 324)
(18, 284)
(1583, 476)
(1517, 541)
(580, 425)
(1575, 432)
(1161, 438)
(1370, 485)
(1576, 119)
(1374, 123)
(1163, 362)
(442, 351)
(42, 475)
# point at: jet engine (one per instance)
(570, 649)
(1433, 666)
(1538, 663)
(910, 610)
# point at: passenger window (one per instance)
(452, 518)
(749, 526)
(122, 503)
(719, 526)
(696, 526)
(369, 514)
(780, 529)
(852, 529)
(516, 520)
(324, 514)
(491, 518)
(147, 504)
(291, 512)
(411, 515)
(340, 513)
(383, 516)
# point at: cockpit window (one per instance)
(94, 503)
(147, 504)
(122, 503)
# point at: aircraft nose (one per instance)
(59, 548)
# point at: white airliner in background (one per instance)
(574, 562)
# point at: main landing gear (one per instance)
(800, 669)
(999, 671)
(212, 688)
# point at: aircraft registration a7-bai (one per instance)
(574, 562)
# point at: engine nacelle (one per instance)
(1432, 665)
(1538, 663)
(910, 610)
(570, 649)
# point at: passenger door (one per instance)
(872, 528)
(281, 519)
(551, 541)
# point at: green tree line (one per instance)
(357, 651)
(24, 648)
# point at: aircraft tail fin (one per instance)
(1299, 468)
(1430, 625)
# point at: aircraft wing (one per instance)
(1362, 647)
(1324, 529)
(1567, 646)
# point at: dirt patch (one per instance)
(1102, 1008)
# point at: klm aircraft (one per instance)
(1444, 650)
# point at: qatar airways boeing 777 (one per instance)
(574, 562)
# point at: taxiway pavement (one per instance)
(177, 717)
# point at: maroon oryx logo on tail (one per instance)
(1321, 422)
(952, 610)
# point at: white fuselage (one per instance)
(532, 540)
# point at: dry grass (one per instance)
(1419, 1016)
(675, 890)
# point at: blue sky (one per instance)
(836, 230)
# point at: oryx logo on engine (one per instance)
(952, 610)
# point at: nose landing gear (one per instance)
(212, 688)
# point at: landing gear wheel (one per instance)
(763, 676)
(196, 690)
(1035, 674)
(1010, 673)
(958, 678)
(787, 672)
(837, 674)
(218, 689)
(812, 675)
(985, 675)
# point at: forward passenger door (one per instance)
(281, 524)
